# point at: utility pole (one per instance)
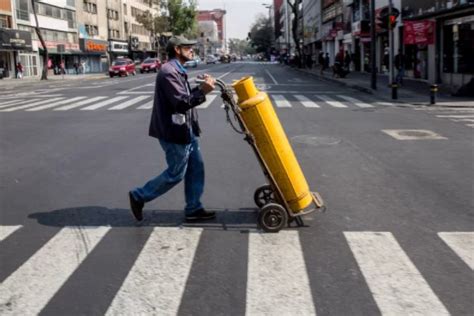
(390, 35)
(373, 82)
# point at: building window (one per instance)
(112, 14)
(92, 29)
(125, 25)
(114, 33)
(125, 9)
(5, 21)
(22, 10)
(90, 7)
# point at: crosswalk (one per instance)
(277, 275)
(145, 102)
(462, 114)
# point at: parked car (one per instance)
(150, 64)
(191, 63)
(123, 66)
(211, 59)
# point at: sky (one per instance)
(240, 14)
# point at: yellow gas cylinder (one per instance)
(270, 139)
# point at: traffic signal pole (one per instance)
(391, 43)
(373, 82)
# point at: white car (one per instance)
(210, 59)
(191, 63)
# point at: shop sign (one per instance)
(93, 46)
(11, 39)
(419, 32)
(118, 47)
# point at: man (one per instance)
(400, 66)
(174, 123)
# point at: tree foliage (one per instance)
(295, 10)
(238, 46)
(261, 34)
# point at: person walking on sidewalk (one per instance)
(400, 66)
(19, 70)
(174, 123)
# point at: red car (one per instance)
(123, 66)
(150, 64)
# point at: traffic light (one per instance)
(388, 21)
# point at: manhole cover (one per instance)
(316, 140)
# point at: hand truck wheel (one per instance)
(272, 218)
(264, 195)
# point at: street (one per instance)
(397, 237)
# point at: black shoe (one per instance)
(136, 207)
(201, 214)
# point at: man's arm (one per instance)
(176, 93)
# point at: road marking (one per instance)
(209, 99)
(463, 120)
(462, 243)
(307, 103)
(6, 103)
(7, 230)
(157, 280)
(270, 75)
(129, 103)
(52, 105)
(103, 103)
(78, 104)
(445, 109)
(386, 103)
(277, 281)
(356, 102)
(412, 134)
(222, 76)
(146, 106)
(27, 290)
(280, 101)
(14, 102)
(29, 105)
(396, 284)
(330, 101)
(456, 116)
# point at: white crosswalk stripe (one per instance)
(6, 103)
(54, 104)
(306, 102)
(6, 231)
(156, 282)
(29, 105)
(12, 102)
(209, 99)
(456, 116)
(275, 261)
(129, 103)
(78, 104)
(146, 106)
(280, 101)
(330, 101)
(27, 290)
(356, 102)
(395, 282)
(103, 103)
(462, 243)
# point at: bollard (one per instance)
(394, 91)
(433, 91)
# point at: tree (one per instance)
(44, 73)
(295, 5)
(261, 34)
(238, 46)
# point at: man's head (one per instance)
(181, 48)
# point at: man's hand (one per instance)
(209, 83)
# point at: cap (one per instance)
(180, 41)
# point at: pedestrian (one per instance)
(174, 123)
(309, 61)
(61, 67)
(19, 70)
(76, 68)
(83, 67)
(400, 66)
(347, 60)
(326, 63)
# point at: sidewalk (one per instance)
(412, 91)
(12, 82)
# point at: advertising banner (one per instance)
(419, 32)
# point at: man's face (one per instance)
(184, 52)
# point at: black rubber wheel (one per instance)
(272, 218)
(264, 195)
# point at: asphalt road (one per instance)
(397, 237)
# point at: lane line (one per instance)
(129, 103)
(331, 101)
(222, 76)
(277, 281)
(307, 103)
(209, 99)
(270, 75)
(156, 282)
(102, 104)
(52, 105)
(396, 284)
(146, 106)
(462, 243)
(7, 230)
(29, 105)
(78, 104)
(356, 102)
(27, 290)
(281, 101)
(457, 116)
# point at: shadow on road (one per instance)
(236, 219)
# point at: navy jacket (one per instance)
(174, 97)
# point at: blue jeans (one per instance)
(184, 162)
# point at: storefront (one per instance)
(12, 42)
(94, 55)
(118, 49)
(69, 53)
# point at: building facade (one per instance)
(218, 17)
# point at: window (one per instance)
(114, 33)
(92, 29)
(112, 14)
(5, 21)
(90, 7)
(125, 9)
(125, 25)
(22, 9)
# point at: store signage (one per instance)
(11, 39)
(419, 32)
(118, 47)
(93, 46)
(54, 46)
